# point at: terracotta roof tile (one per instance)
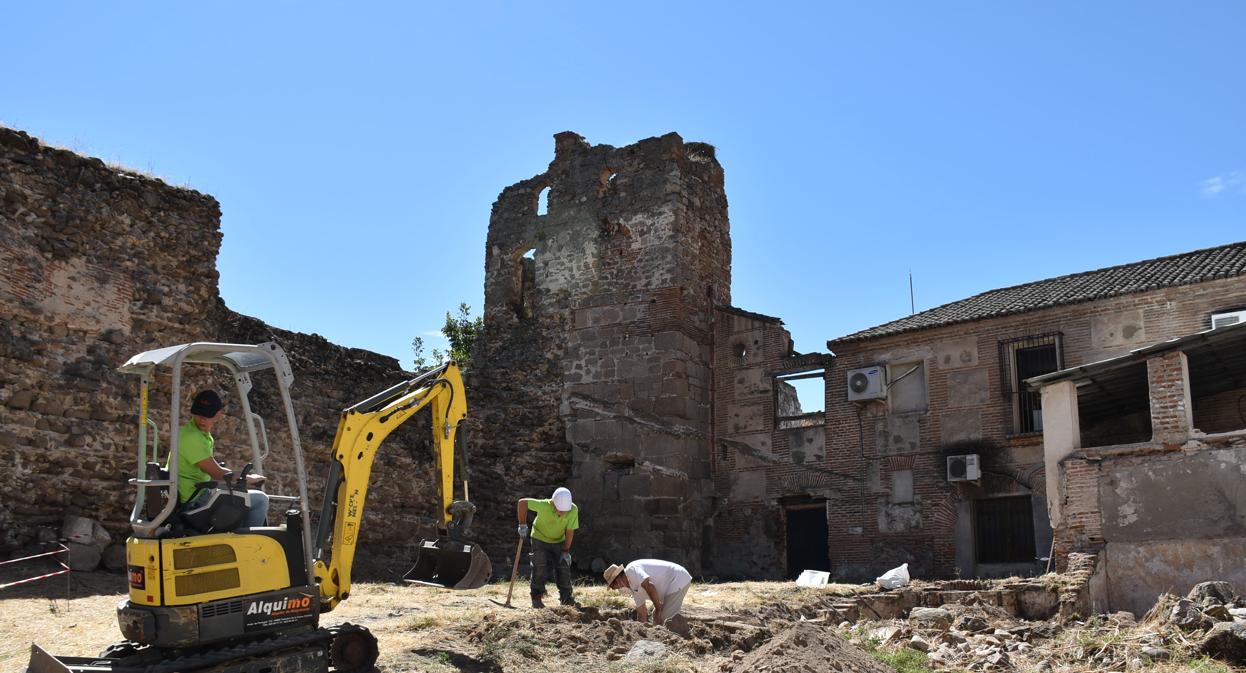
(1226, 261)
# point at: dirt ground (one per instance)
(741, 627)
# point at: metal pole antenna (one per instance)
(912, 304)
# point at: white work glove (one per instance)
(565, 559)
(523, 530)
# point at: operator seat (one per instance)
(224, 511)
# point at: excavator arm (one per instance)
(360, 432)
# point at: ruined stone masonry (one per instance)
(595, 366)
(97, 264)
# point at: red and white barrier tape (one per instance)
(64, 568)
(62, 550)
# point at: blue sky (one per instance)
(356, 152)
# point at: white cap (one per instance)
(562, 499)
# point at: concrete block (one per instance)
(83, 557)
(662, 506)
(671, 407)
(960, 425)
(755, 451)
(751, 382)
(666, 341)
(1115, 330)
(113, 557)
(633, 485)
(968, 388)
(581, 431)
(668, 487)
(746, 486)
(956, 353)
(676, 387)
(899, 517)
(898, 433)
(807, 444)
(746, 418)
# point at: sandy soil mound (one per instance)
(594, 631)
(809, 648)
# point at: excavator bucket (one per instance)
(42, 662)
(451, 565)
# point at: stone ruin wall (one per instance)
(594, 368)
(97, 264)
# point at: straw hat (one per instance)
(612, 572)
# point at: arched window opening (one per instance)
(542, 202)
(524, 297)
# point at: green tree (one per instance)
(417, 347)
(461, 331)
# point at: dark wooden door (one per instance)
(807, 545)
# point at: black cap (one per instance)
(207, 404)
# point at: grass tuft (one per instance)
(423, 622)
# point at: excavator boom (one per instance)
(446, 561)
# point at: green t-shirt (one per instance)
(193, 445)
(549, 527)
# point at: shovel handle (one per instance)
(514, 572)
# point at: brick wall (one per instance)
(752, 460)
(1168, 383)
(969, 412)
(1079, 497)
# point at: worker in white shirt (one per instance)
(664, 583)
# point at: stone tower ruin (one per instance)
(594, 367)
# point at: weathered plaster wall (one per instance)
(97, 264)
(594, 366)
(1165, 519)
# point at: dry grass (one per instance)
(438, 631)
(419, 629)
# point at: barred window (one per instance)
(1024, 358)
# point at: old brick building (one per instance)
(952, 380)
(1156, 490)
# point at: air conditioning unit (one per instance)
(963, 468)
(1226, 319)
(866, 384)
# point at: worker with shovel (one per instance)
(556, 522)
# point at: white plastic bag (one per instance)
(894, 578)
(813, 578)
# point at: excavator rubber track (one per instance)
(305, 652)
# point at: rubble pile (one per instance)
(1212, 615)
(806, 648)
(975, 635)
(972, 635)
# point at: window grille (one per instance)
(1021, 359)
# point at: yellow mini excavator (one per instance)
(210, 595)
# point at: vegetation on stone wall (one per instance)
(461, 331)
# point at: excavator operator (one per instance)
(196, 463)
